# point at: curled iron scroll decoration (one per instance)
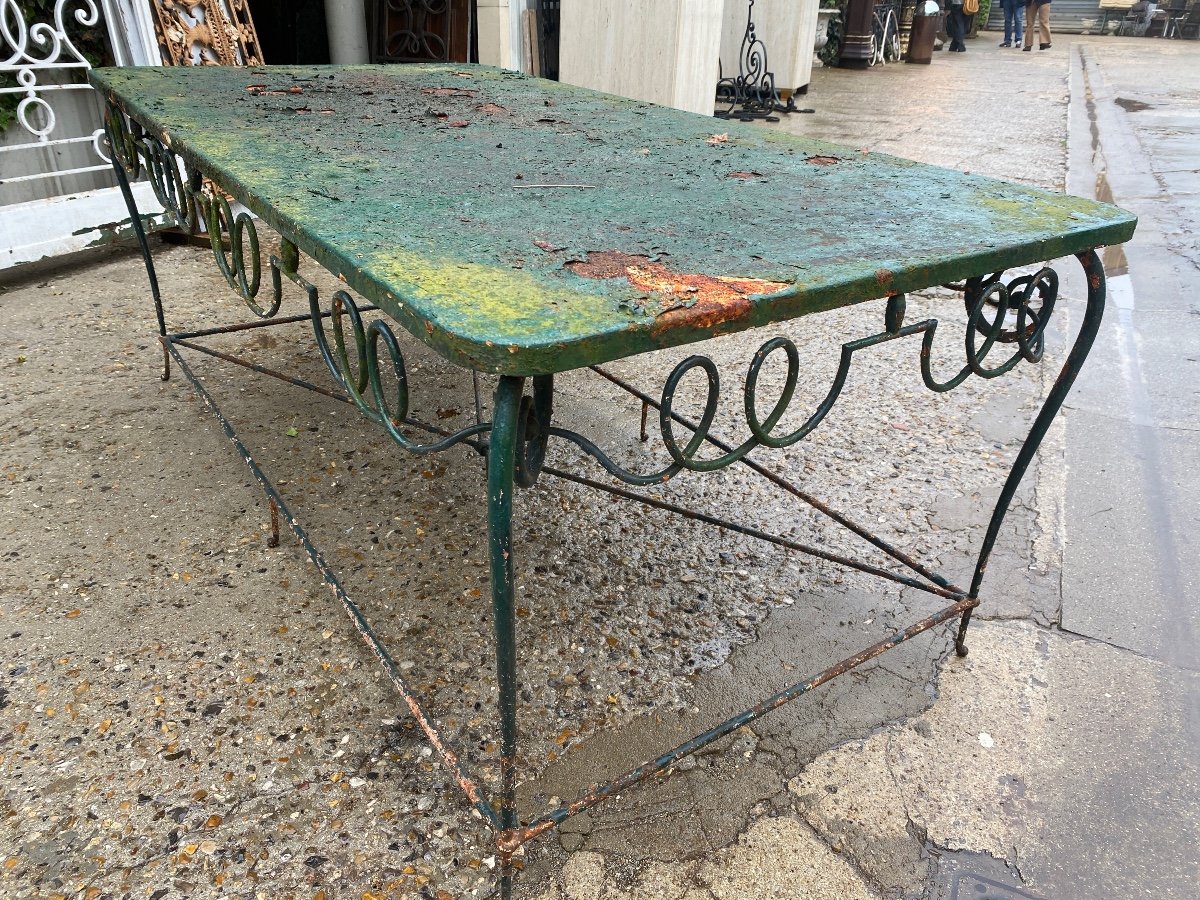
(1028, 299)
(363, 379)
(180, 188)
(753, 88)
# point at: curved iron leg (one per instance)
(147, 259)
(500, 478)
(1094, 271)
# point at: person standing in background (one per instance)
(1037, 18)
(1014, 22)
(956, 24)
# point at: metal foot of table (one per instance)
(581, 308)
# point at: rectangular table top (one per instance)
(525, 226)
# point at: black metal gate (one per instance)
(548, 17)
(422, 31)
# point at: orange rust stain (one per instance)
(1095, 282)
(606, 264)
(685, 299)
(883, 277)
(819, 160)
(745, 176)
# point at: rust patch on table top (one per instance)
(690, 299)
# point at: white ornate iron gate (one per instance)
(57, 192)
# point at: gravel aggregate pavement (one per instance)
(184, 711)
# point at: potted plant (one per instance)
(830, 16)
(981, 17)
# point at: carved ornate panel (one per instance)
(206, 33)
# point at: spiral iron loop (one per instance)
(1028, 333)
(220, 220)
(684, 456)
(176, 191)
(124, 136)
(390, 411)
(990, 303)
(179, 187)
(533, 430)
(136, 150)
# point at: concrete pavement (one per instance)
(184, 714)
(1060, 759)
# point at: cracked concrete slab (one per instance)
(1024, 570)
(776, 859)
(1016, 761)
(707, 803)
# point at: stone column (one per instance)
(346, 22)
(495, 33)
(663, 51)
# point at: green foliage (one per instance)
(833, 49)
(92, 41)
(979, 20)
(985, 9)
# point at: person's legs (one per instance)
(957, 33)
(1009, 22)
(1043, 14)
(1030, 18)
(1019, 29)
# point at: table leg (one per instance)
(144, 245)
(1094, 270)
(502, 453)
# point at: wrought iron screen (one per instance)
(50, 135)
(206, 33)
(422, 31)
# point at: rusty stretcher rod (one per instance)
(754, 533)
(468, 785)
(781, 482)
(511, 839)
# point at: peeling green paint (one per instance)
(372, 171)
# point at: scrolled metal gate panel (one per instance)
(56, 188)
(422, 31)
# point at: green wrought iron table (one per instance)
(525, 228)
